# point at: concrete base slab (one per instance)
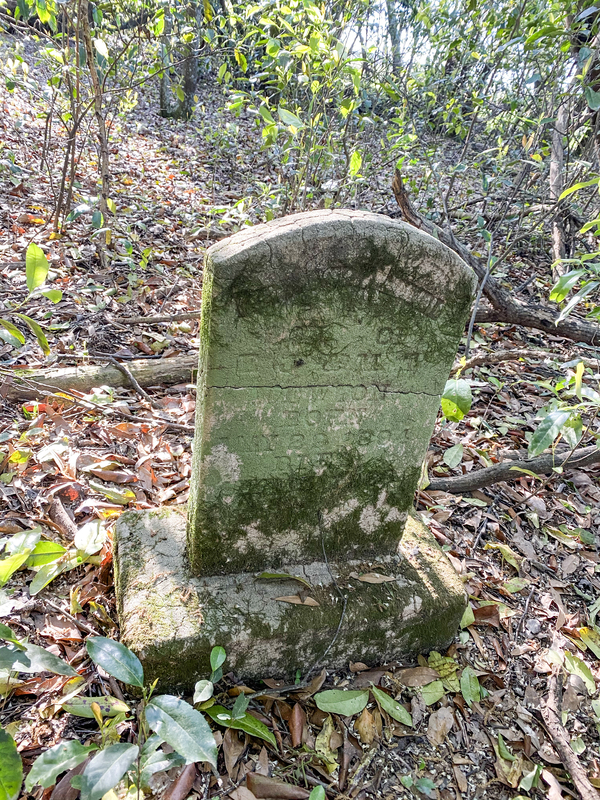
(271, 627)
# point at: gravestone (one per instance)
(326, 341)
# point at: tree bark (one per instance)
(505, 308)
(508, 470)
(35, 384)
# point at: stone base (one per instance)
(172, 620)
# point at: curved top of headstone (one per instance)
(317, 296)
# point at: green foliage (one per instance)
(456, 399)
(11, 767)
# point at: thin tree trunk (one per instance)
(557, 161)
(394, 32)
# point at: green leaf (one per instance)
(8, 566)
(7, 633)
(36, 266)
(577, 186)
(456, 399)
(453, 456)
(203, 691)
(246, 723)
(470, 687)
(318, 793)
(593, 100)
(266, 115)
(515, 585)
(82, 706)
(338, 701)
(289, 119)
(55, 295)
(575, 666)
(106, 769)
(182, 727)
(283, 576)
(217, 657)
(39, 333)
(547, 431)
(432, 692)
(43, 661)
(90, 538)
(13, 659)
(13, 330)
(180, 94)
(394, 709)
(503, 750)
(117, 660)
(506, 552)
(468, 618)
(11, 767)
(355, 164)
(101, 48)
(158, 762)
(49, 572)
(45, 553)
(60, 758)
(565, 283)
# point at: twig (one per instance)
(61, 519)
(128, 374)
(583, 457)
(80, 624)
(156, 319)
(551, 716)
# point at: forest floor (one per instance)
(526, 549)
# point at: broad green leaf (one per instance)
(503, 750)
(203, 691)
(54, 295)
(453, 456)
(266, 115)
(389, 705)
(25, 540)
(577, 186)
(13, 330)
(49, 572)
(547, 431)
(117, 660)
(11, 767)
(355, 164)
(575, 666)
(106, 769)
(515, 585)
(433, 692)
(39, 333)
(469, 686)
(82, 706)
(43, 661)
(217, 657)
(158, 762)
(577, 745)
(318, 793)
(182, 727)
(289, 119)
(101, 48)
(446, 667)
(121, 496)
(246, 723)
(60, 758)
(338, 701)
(7, 633)
(36, 266)
(468, 618)
(456, 399)
(283, 576)
(90, 538)
(45, 553)
(591, 639)
(507, 554)
(8, 566)
(13, 659)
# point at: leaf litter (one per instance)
(463, 723)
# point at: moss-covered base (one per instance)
(172, 620)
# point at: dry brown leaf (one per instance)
(487, 615)
(417, 676)
(357, 666)
(312, 687)
(375, 577)
(554, 790)
(242, 793)
(181, 786)
(440, 725)
(297, 723)
(365, 727)
(265, 788)
(232, 750)
(298, 601)
(461, 780)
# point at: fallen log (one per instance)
(34, 384)
(509, 470)
(505, 308)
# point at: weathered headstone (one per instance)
(326, 341)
